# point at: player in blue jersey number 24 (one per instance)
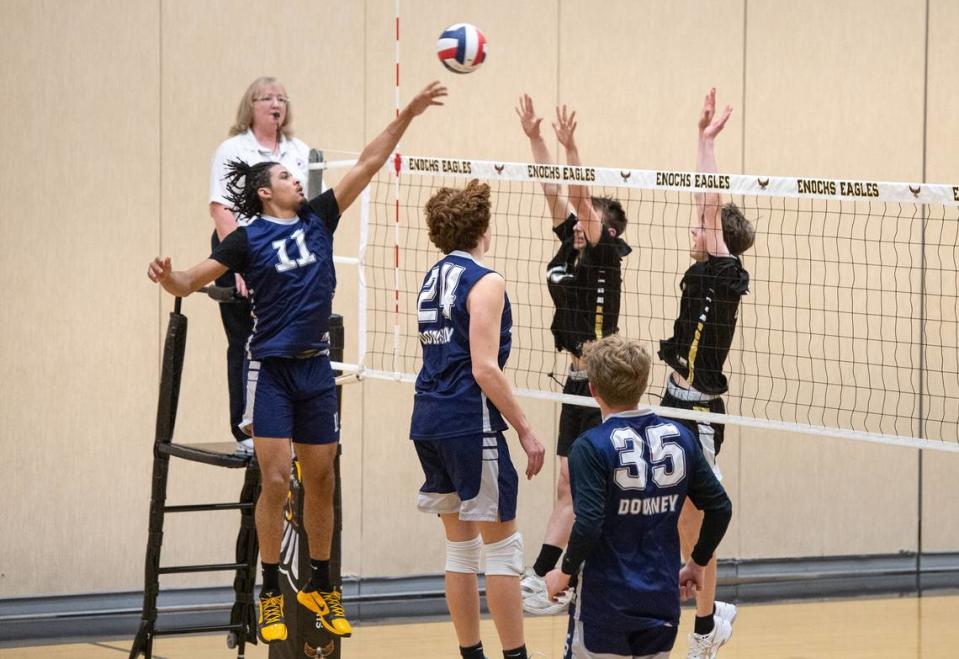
(462, 404)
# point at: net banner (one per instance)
(679, 181)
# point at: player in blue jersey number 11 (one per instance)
(285, 254)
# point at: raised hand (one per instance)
(565, 126)
(426, 98)
(159, 269)
(527, 117)
(711, 124)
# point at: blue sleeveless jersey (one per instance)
(448, 402)
(631, 578)
(288, 269)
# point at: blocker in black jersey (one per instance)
(585, 286)
(703, 332)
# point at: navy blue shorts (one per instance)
(574, 420)
(293, 398)
(471, 475)
(584, 642)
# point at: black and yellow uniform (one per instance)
(585, 288)
(702, 336)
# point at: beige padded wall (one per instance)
(119, 109)
(79, 333)
(940, 485)
(827, 96)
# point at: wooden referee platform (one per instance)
(306, 638)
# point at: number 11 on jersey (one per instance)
(286, 263)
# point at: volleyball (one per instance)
(461, 48)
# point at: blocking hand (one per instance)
(711, 124)
(565, 126)
(527, 117)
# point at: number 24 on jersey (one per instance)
(445, 277)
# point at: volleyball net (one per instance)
(850, 327)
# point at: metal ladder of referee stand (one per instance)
(241, 627)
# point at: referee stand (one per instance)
(241, 626)
(306, 636)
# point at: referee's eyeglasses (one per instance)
(282, 100)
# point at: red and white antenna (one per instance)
(396, 206)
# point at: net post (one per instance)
(337, 335)
(396, 260)
(314, 180)
(361, 299)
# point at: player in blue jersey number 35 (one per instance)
(630, 477)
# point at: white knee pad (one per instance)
(464, 557)
(505, 558)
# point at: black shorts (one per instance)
(574, 420)
(710, 435)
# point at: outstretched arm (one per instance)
(375, 153)
(710, 203)
(557, 201)
(183, 282)
(579, 197)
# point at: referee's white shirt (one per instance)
(294, 155)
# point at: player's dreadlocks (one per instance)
(242, 183)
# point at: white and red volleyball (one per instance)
(461, 48)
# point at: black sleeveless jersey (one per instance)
(585, 288)
(708, 311)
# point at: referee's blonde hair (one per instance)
(244, 112)
(618, 368)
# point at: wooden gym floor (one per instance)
(900, 628)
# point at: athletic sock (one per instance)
(705, 624)
(321, 577)
(271, 578)
(546, 560)
(515, 653)
(473, 651)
